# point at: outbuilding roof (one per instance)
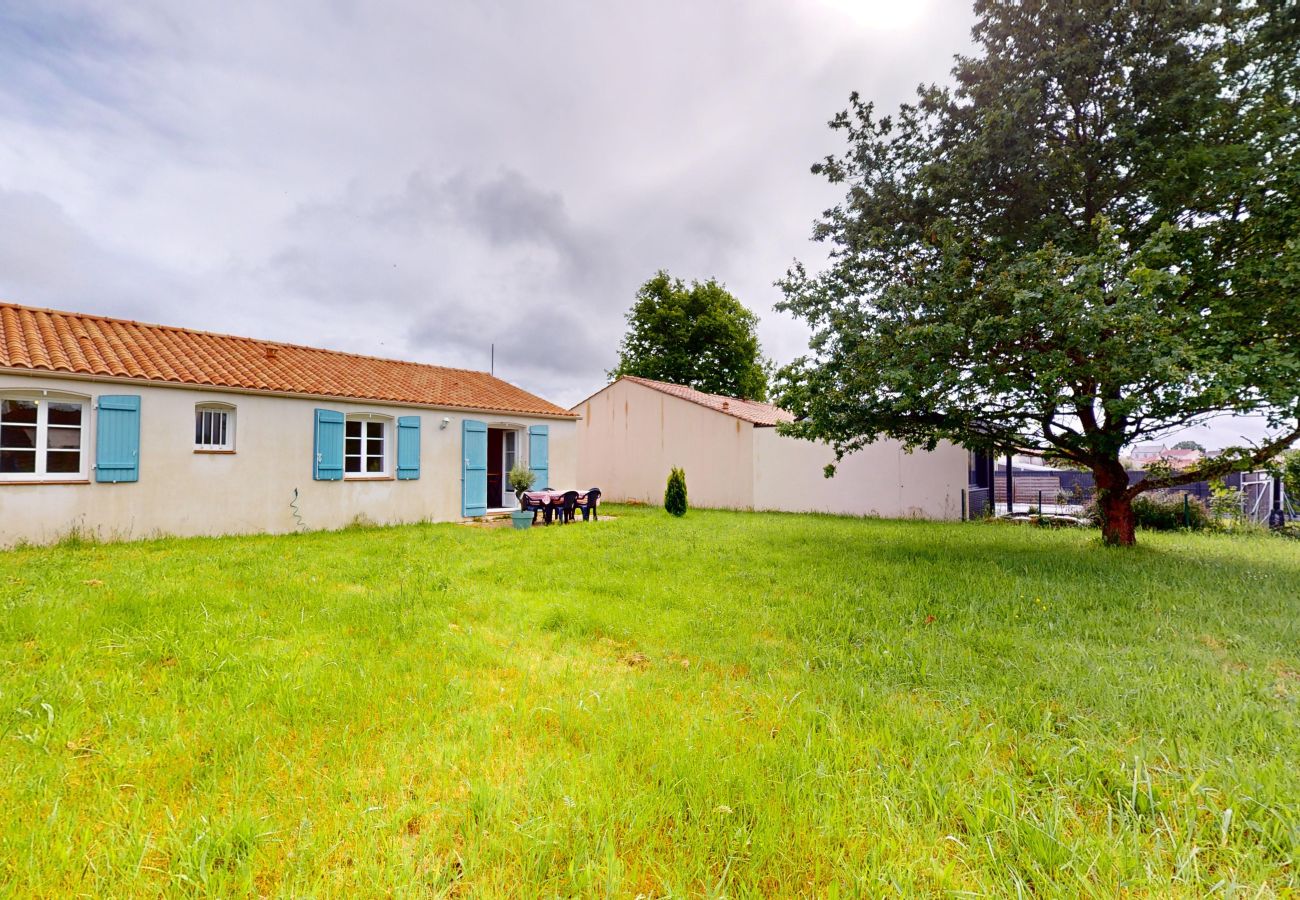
(762, 414)
(46, 340)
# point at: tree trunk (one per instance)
(1118, 524)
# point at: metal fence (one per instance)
(1070, 493)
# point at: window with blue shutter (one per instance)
(473, 479)
(539, 455)
(117, 439)
(408, 447)
(327, 448)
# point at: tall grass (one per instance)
(726, 704)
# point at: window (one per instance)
(511, 454)
(214, 427)
(41, 438)
(365, 448)
(980, 465)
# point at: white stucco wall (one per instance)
(181, 492)
(630, 436)
(882, 479)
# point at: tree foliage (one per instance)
(698, 335)
(1291, 476)
(1188, 445)
(1091, 239)
(675, 493)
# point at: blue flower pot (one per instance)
(522, 518)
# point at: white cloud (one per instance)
(425, 179)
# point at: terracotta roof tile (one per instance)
(745, 410)
(52, 341)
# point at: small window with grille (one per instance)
(214, 428)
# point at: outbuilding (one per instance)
(119, 429)
(632, 432)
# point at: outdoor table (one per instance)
(549, 502)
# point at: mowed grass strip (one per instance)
(727, 704)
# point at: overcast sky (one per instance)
(421, 180)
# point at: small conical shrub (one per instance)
(675, 496)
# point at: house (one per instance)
(1182, 457)
(633, 431)
(1177, 457)
(1145, 453)
(122, 429)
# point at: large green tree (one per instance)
(1092, 238)
(698, 335)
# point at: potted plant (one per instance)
(520, 479)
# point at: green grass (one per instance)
(726, 704)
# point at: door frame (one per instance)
(521, 457)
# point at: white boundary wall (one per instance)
(882, 479)
(630, 436)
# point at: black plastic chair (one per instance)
(564, 508)
(590, 503)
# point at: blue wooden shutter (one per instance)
(539, 455)
(408, 447)
(473, 480)
(117, 439)
(327, 449)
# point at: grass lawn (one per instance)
(729, 704)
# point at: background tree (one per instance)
(1091, 240)
(697, 335)
(1291, 477)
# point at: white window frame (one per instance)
(43, 399)
(386, 458)
(213, 410)
(510, 454)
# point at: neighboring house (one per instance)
(1182, 457)
(122, 430)
(632, 432)
(1177, 457)
(1031, 462)
(1145, 453)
